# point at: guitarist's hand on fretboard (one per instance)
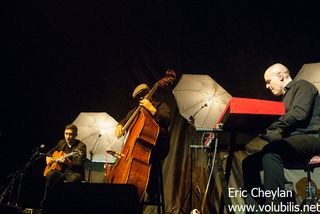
(62, 159)
(49, 160)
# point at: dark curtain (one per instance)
(186, 170)
(177, 168)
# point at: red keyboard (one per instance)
(249, 115)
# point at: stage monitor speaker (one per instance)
(93, 198)
(9, 209)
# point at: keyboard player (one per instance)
(292, 138)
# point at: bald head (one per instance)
(276, 68)
(277, 76)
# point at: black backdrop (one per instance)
(60, 58)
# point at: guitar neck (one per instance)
(65, 156)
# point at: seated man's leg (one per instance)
(272, 159)
(251, 167)
(287, 152)
(53, 177)
(71, 176)
(305, 146)
(273, 175)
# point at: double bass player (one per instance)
(160, 112)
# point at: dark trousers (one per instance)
(153, 183)
(54, 177)
(158, 154)
(272, 159)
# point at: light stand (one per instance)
(91, 157)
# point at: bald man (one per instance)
(292, 139)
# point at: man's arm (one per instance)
(299, 104)
(163, 115)
(57, 147)
(299, 110)
(77, 161)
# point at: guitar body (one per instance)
(54, 165)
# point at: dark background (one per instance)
(60, 58)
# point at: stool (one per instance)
(311, 198)
(159, 194)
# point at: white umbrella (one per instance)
(311, 73)
(200, 99)
(96, 130)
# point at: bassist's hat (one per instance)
(139, 89)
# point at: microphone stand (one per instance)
(192, 117)
(189, 193)
(194, 147)
(91, 157)
(18, 174)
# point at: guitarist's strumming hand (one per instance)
(65, 160)
(49, 160)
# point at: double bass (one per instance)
(132, 165)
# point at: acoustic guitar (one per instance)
(57, 157)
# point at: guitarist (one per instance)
(72, 169)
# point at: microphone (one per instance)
(41, 147)
(192, 117)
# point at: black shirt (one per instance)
(299, 102)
